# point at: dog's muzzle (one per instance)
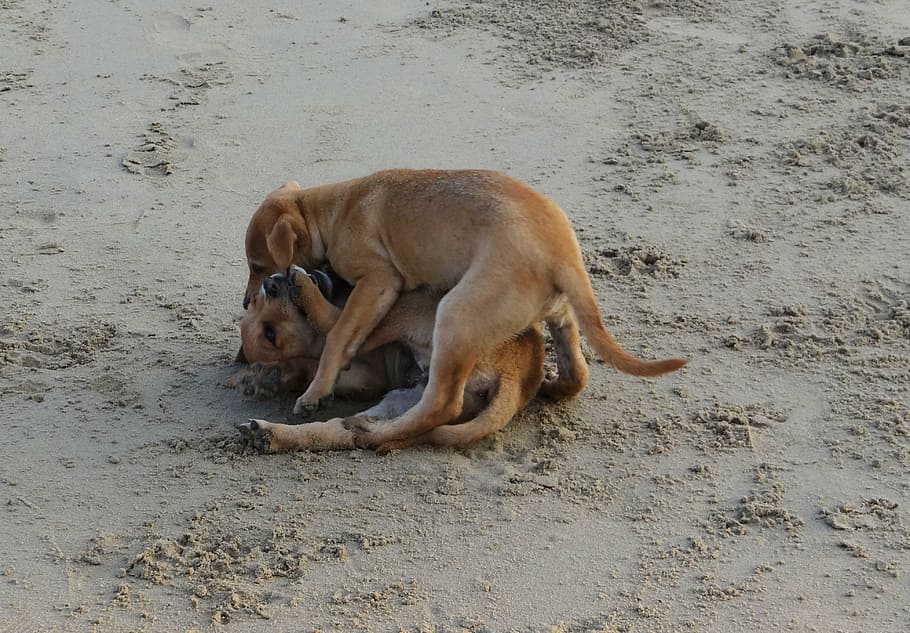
(281, 285)
(275, 285)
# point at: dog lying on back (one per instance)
(283, 334)
(505, 256)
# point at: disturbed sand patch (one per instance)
(732, 426)
(876, 317)
(763, 507)
(633, 263)
(14, 80)
(191, 84)
(547, 34)
(852, 60)
(874, 532)
(869, 153)
(879, 430)
(190, 316)
(538, 37)
(225, 564)
(30, 24)
(879, 518)
(153, 155)
(656, 147)
(53, 345)
(651, 159)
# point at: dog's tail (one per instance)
(572, 280)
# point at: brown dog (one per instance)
(283, 332)
(506, 255)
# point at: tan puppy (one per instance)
(283, 332)
(506, 254)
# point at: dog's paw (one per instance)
(359, 423)
(306, 408)
(367, 432)
(256, 434)
(364, 430)
(297, 277)
(296, 274)
(306, 284)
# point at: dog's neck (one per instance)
(326, 208)
(316, 210)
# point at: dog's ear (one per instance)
(241, 357)
(291, 184)
(280, 242)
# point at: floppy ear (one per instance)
(280, 242)
(241, 357)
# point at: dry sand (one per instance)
(737, 173)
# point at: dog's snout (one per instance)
(272, 285)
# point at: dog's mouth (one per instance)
(281, 285)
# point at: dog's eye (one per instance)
(269, 333)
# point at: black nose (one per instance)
(272, 285)
(246, 302)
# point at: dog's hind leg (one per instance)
(472, 319)
(571, 367)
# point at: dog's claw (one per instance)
(256, 435)
(296, 270)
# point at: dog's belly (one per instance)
(425, 266)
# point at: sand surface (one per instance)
(738, 176)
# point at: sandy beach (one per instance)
(737, 174)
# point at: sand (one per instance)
(737, 174)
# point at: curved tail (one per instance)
(574, 283)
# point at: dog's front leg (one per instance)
(318, 309)
(372, 297)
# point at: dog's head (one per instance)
(273, 328)
(276, 237)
